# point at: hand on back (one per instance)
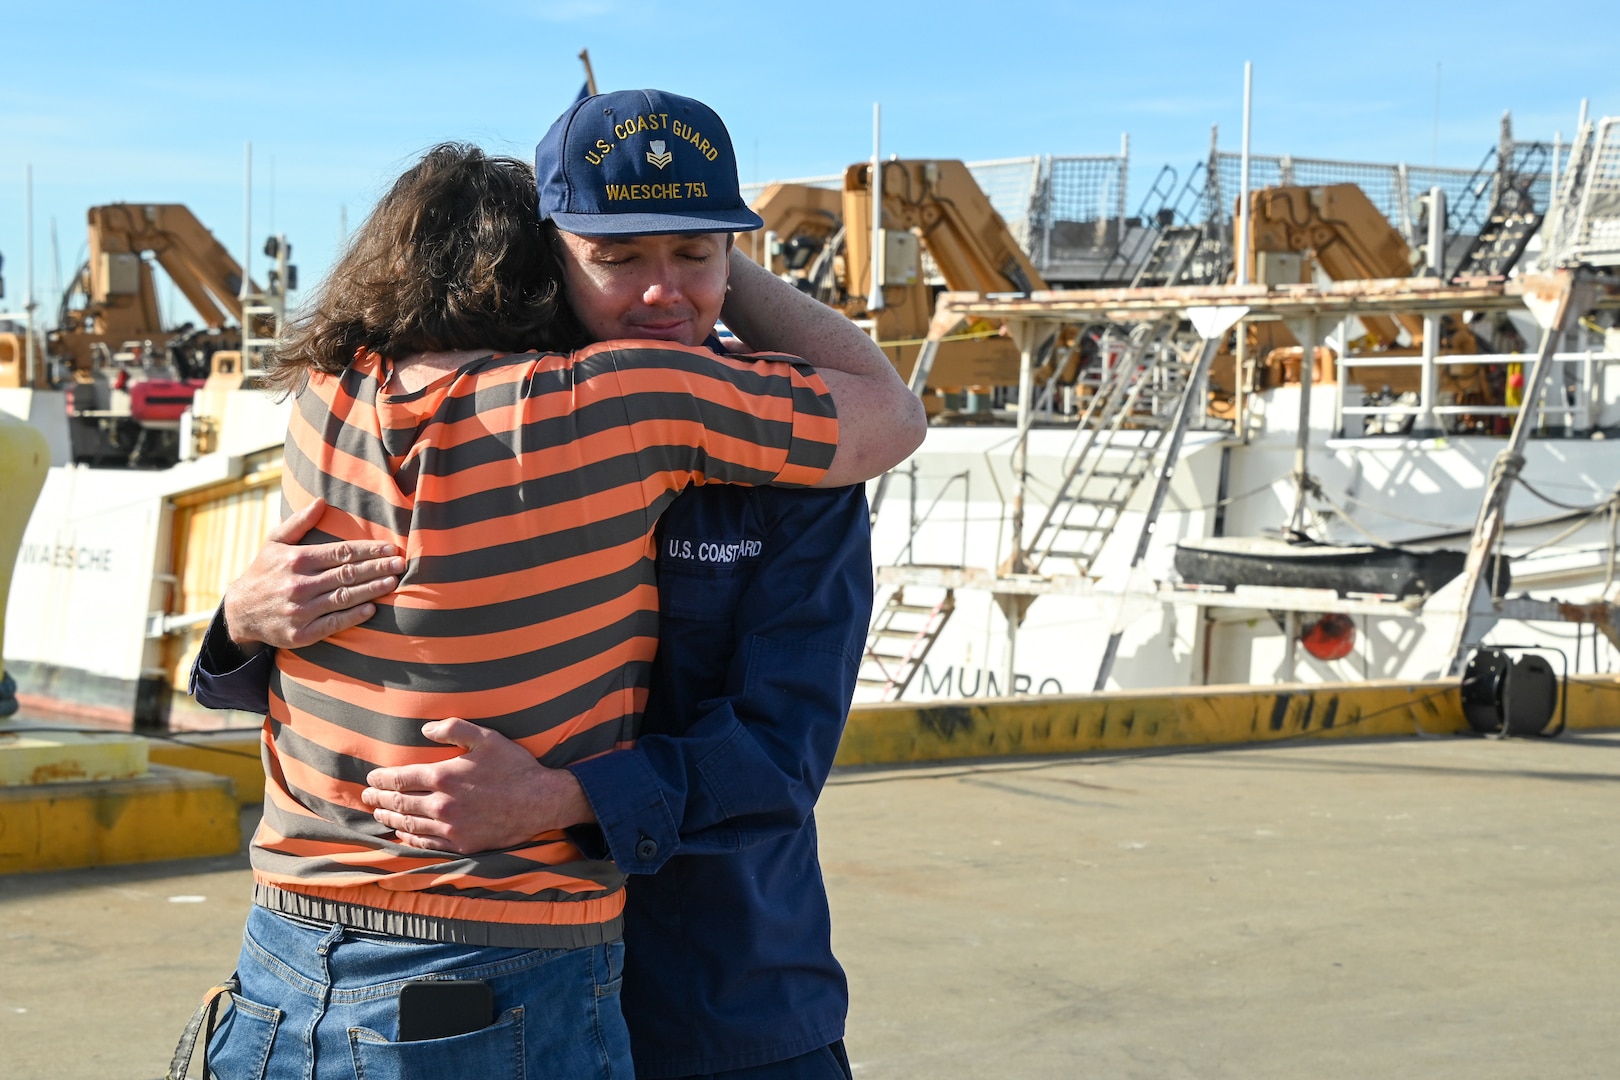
(493, 795)
(292, 595)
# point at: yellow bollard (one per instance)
(24, 459)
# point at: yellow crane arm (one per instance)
(198, 264)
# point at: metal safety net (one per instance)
(1597, 222)
(1070, 214)
(1395, 189)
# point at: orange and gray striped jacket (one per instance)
(523, 490)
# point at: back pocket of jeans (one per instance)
(240, 1047)
(495, 1052)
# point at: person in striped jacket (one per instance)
(523, 489)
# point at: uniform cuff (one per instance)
(626, 797)
(225, 677)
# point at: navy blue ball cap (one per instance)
(640, 162)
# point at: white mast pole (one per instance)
(874, 295)
(1242, 238)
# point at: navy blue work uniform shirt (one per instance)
(765, 595)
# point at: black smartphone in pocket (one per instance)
(440, 1008)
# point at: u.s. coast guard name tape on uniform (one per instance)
(710, 550)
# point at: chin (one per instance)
(680, 335)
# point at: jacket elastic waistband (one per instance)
(399, 924)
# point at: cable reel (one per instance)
(1504, 696)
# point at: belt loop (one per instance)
(333, 936)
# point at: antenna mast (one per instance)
(590, 76)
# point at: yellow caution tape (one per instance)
(976, 335)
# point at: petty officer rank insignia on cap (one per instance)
(640, 162)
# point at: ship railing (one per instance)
(1596, 239)
(1069, 212)
(916, 521)
(1076, 223)
(1574, 393)
(1393, 188)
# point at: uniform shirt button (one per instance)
(646, 849)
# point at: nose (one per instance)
(662, 287)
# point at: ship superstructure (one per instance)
(1030, 546)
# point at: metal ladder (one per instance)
(899, 640)
(1503, 237)
(1133, 410)
(1501, 232)
(1168, 214)
(1172, 253)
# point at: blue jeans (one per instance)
(320, 1002)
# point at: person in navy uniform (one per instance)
(765, 595)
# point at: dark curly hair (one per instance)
(451, 258)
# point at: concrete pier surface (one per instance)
(1404, 908)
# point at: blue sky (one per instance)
(154, 102)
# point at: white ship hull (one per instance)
(1397, 489)
(117, 566)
